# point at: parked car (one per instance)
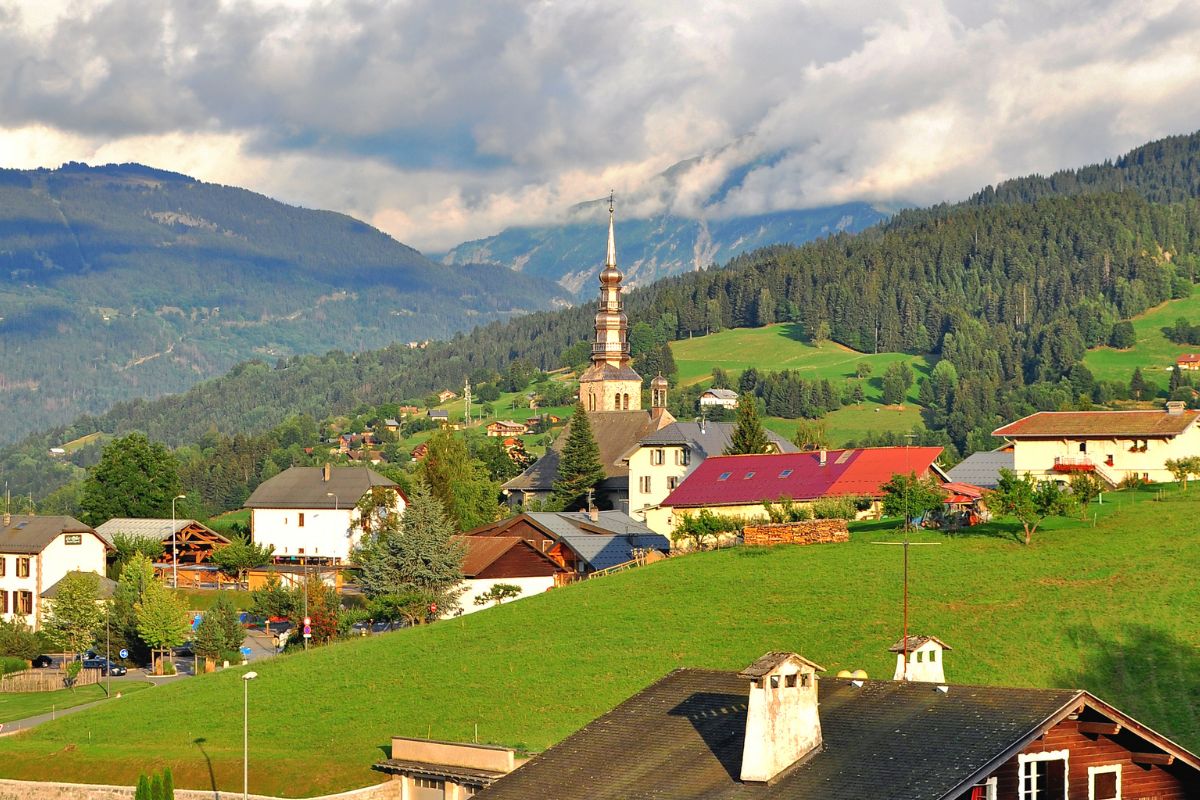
(43, 661)
(105, 666)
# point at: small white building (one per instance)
(35, 554)
(920, 658)
(1109, 444)
(308, 514)
(724, 398)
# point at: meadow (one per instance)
(20, 705)
(1153, 352)
(1107, 604)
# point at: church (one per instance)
(611, 392)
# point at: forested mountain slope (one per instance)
(122, 281)
(655, 247)
(1009, 293)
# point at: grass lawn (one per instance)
(223, 523)
(778, 347)
(1154, 353)
(19, 705)
(1110, 608)
(854, 422)
(83, 441)
(202, 599)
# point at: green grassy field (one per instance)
(778, 347)
(854, 422)
(223, 523)
(1154, 353)
(19, 705)
(1110, 608)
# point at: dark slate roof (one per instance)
(615, 432)
(709, 439)
(604, 543)
(305, 487)
(29, 533)
(982, 469)
(107, 586)
(682, 739)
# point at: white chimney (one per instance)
(824, 456)
(923, 662)
(782, 722)
(326, 474)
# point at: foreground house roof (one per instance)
(752, 479)
(107, 586)
(483, 551)
(30, 533)
(682, 738)
(306, 487)
(1057, 424)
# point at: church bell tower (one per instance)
(610, 383)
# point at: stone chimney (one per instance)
(1176, 407)
(782, 722)
(824, 457)
(327, 472)
(924, 661)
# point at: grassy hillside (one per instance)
(1154, 353)
(1110, 608)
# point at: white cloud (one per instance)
(443, 121)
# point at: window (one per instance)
(672, 483)
(683, 456)
(785, 473)
(724, 476)
(1104, 783)
(774, 681)
(23, 567)
(300, 551)
(428, 789)
(3, 602)
(658, 457)
(984, 791)
(644, 484)
(790, 681)
(804, 680)
(749, 475)
(300, 520)
(3, 561)
(23, 603)
(1043, 776)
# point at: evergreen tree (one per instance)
(1138, 387)
(579, 467)
(135, 478)
(748, 435)
(156, 787)
(1122, 336)
(142, 792)
(168, 781)
(209, 641)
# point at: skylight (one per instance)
(724, 476)
(749, 475)
(785, 473)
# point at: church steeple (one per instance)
(610, 384)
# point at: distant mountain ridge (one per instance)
(651, 248)
(123, 281)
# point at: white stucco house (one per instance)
(38, 552)
(308, 514)
(721, 398)
(1109, 444)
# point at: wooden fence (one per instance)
(46, 680)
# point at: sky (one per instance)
(442, 121)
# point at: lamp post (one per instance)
(335, 499)
(174, 547)
(249, 676)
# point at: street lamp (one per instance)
(249, 676)
(335, 499)
(174, 548)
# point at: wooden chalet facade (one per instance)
(507, 427)
(509, 560)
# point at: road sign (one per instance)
(307, 629)
(245, 651)
(123, 653)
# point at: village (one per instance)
(652, 488)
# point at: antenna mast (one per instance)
(467, 401)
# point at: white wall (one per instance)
(641, 465)
(529, 587)
(1036, 456)
(326, 532)
(48, 568)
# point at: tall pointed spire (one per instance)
(611, 261)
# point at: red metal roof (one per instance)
(1188, 358)
(1099, 423)
(800, 476)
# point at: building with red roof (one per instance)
(1112, 445)
(1189, 361)
(739, 485)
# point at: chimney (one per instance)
(326, 472)
(920, 659)
(1175, 407)
(824, 457)
(594, 513)
(7, 518)
(782, 721)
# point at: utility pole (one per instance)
(467, 401)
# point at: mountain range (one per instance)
(122, 281)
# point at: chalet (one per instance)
(721, 398)
(739, 485)
(506, 427)
(1188, 361)
(580, 542)
(510, 560)
(777, 731)
(419, 452)
(391, 425)
(659, 462)
(35, 554)
(194, 541)
(1111, 445)
(408, 411)
(440, 415)
(310, 514)
(446, 395)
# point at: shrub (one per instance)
(12, 664)
(698, 528)
(834, 508)
(18, 641)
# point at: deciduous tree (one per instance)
(909, 497)
(1028, 500)
(162, 619)
(76, 612)
(135, 478)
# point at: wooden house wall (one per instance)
(519, 562)
(1137, 782)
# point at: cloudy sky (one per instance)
(441, 121)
